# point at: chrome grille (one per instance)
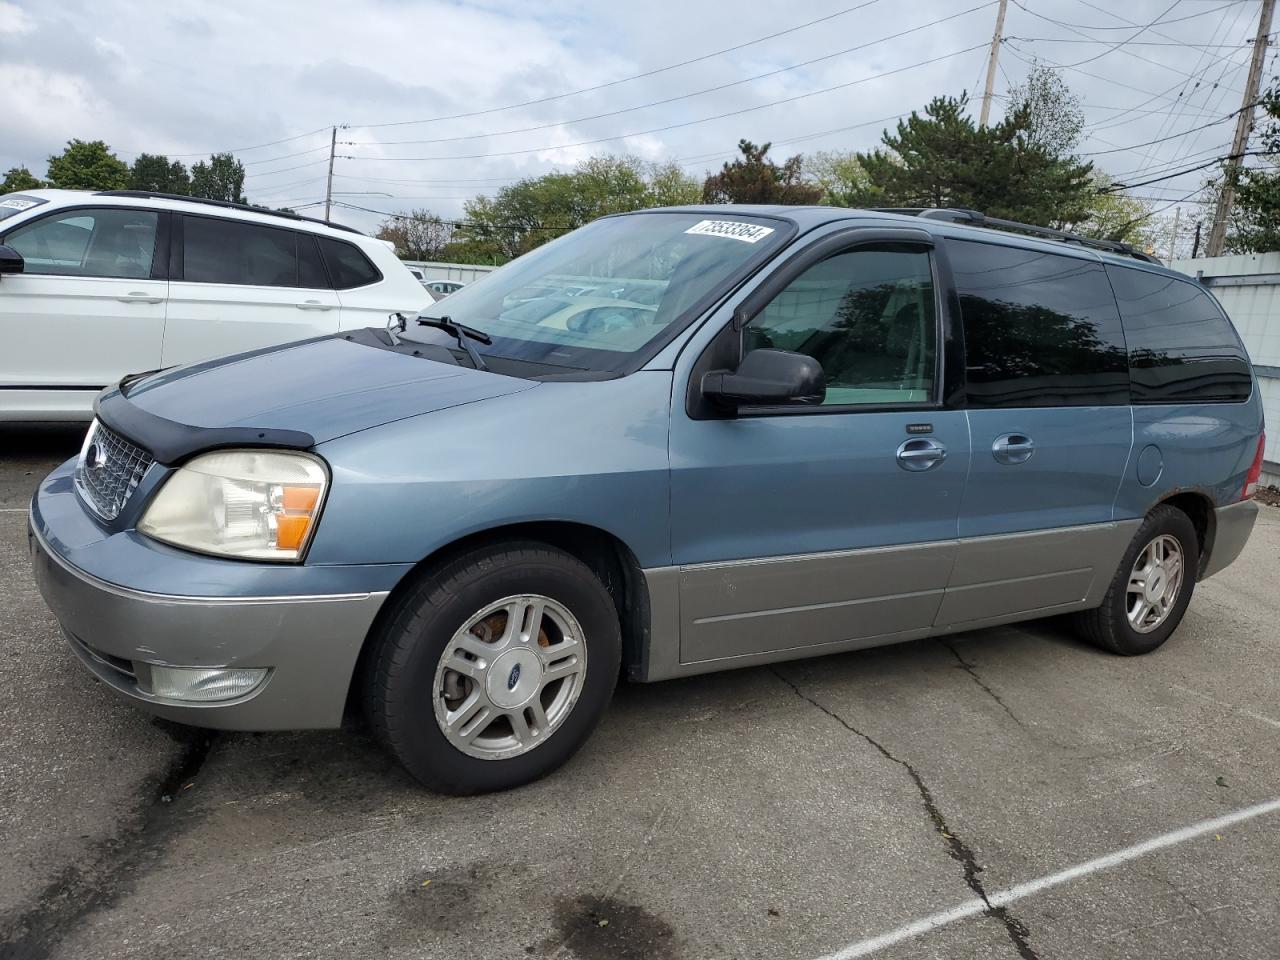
(109, 470)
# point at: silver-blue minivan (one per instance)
(671, 442)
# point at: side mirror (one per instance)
(767, 377)
(10, 260)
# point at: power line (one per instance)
(1175, 136)
(1141, 30)
(256, 146)
(1115, 188)
(1136, 43)
(636, 76)
(1130, 23)
(675, 126)
(683, 96)
(285, 156)
(1130, 53)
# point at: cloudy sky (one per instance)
(434, 98)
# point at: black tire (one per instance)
(399, 695)
(1108, 626)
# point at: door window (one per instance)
(868, 317)
(230, 251)
(1181, 347)
(89, 243)
(1040, 330)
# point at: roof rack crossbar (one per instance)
(227, 204)
(976, 218)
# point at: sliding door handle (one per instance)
(1013, 448)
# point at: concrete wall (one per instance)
(461, 272)
(1249, 287)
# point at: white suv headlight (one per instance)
(254, 504)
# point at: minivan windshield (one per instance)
(594, 298)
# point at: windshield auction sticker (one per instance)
(734, 230)
(21, 203)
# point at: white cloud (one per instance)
(183, 77)
(13, 20)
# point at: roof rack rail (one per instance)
(975, 218)
(247, 207)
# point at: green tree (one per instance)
(1055, 118)
(157, 173)
(87, 165)
(1255, 218)
(531, 211)
(754, 178)
(839, 175)
(943, 159)
(18, 179)
(222, 178)
(1114, 215)
(417, 234)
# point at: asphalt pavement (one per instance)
(924, 800)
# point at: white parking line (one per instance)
(1002, 898)
(1251, 714)
(13, 509)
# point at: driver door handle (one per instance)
(920, 453)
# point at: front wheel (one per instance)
(493, 669)
(1151, 589)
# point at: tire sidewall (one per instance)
(1162, 521)
(410, 697)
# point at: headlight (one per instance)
(255, 504)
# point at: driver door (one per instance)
(820, 527)
(89, 306)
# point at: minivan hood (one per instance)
(326, 388)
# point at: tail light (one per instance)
(1255, 471)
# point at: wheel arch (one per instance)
(608, 557)
(1200, 509)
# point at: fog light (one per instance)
(203, 684)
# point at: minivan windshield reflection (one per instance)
(595, 298)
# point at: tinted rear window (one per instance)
(348, 266)
(1181, 347)
(227, 251)
(1040, 329)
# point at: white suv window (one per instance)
(89, 243)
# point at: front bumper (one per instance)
(309, 640)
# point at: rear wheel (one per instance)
(492, 670)
(1151, 589)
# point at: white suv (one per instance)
(94, 286)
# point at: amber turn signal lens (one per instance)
(291, 532)
(299, 499)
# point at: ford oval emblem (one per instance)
(514, 678)
(95, 458)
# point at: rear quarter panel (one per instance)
(1204, 447)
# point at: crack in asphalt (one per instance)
(972, 670)
(110, 866)
(1017, 931)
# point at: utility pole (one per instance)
(1173, 240)
(328, 188)
(1244, 126)
(992, 59)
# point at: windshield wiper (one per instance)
(461, 332)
